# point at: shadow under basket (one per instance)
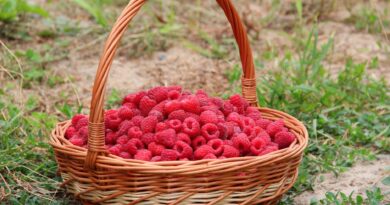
(96, 177)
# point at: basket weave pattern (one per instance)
(95, 176)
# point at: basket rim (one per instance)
(62, 145)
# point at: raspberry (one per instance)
(203, 101)
(198, 141)
(191, 126)
(146, 105)
(133, 145)
(217, 102)
(284, 139)
(124, 127)
(227, 108)
(184, 159)
(202, 151)
(175, 87)
(183, 149)
(174, 124)
(209, 156)
(275, 127)
(122, 139)
(257, 145)
(201, 93)
(241, 142)
(159, 107)
(134, 132)
(184, 137)
(247, 122)
(166, 137)
(208, 117)
(212, 108)
(148, 138)
(169, 155)
(70, 132)
(228, 142)
(137, 120)
(263, 123)
(83, 132)
(78, 141)
(177, 114)
(156, 159)
(216, 145)
(159, 93)
(143, 154)
(129, 98)
(234, 117)
(254, 115)
(76, 118)
(125, 155)
(115, 150)
(157, 114)
(191, 104)
(81, 123)
(155, 148)
(239, 102)
(265, 136)
(136, 112)
(210, 131)
(268, 149)
(161, 126)
(230, 151)
(171, 106)
(148, 124)
(135, 98)
(125, 113)
(173, 94)
(112, 122)
(110, 138)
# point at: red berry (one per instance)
(263, 123)
(210, 131)
(157, 114)
(228, 142)
(183, 149)
(230, 151)
(110, 138)
(159, 93)
(137, 120)
(268, 149)
(124, 127)
(191, 126)
(133, 145)
(70, 132)
(254, 115)
(241, 142)
(83, 132)
(146, 105)
(143, 154)
(83, 122)
(159, 107)
(169, 155)
(202, 151)
(156, 159)
(135, 132)
(257, 145)
(184, 137)
(115, 150)
(125, 155)
(216, 145)
(234, 117)
(174, 124)
(76, 118)
(78, 141)
(173, 94)
(208, 117)
(209, 156)
(177, 114)
(129, 98)
(161, 126)
(171, 106)
(201, 93)
(275, 127)
(239, 102)
(198, 141)
(228, 108)
(148, 138)
(112, 121)
(191, 104)
(284, 139)
(166, 137)
(148, 124)
(155, 148)
(125, 113)
(122, 139)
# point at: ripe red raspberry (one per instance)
(284, 139)
(217, 102)
(135, 98)
(129, 98)
(198, 141)
(76, 118)
(263, 123)
(70, 132)
(242, 143)
(216, 145)
(177, 114)
(201, 93)
(175, 87)
(269, 148)
(171, 106)
(228, 142)
(148, 138)
(159, 93)
(228, 108)
(137, 120)
(135, 132)
(210, 131)
(191, 104)
(156, 159)
(234, 117)
(169, 155)
(230, 151)
(125, 155)
(203, 101)
(133, 145)
(83, 122)
(257, 145)
(122, 139)
(112, 122)
(202, 151)
(78, 141)
(124, 127)
(166, 137)
(125, 113)
(131, 106)
(136, 112)
(240, 103)
(184, 137)
(183, 149)
(159, 107)
(208, 117)
(210, 156)
(155, 148)
(173, 94)
(254, 115)
(212, 108)
(83, 132)
(175, 124)
(275, 127)
(247, 122)
(191, 126)
(143, 154)
(146, 105)
(148, 124)
(161, 126)
(110, 138)
(157, 114)
(115, 150)
(265, 136)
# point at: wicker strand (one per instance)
(249, 90)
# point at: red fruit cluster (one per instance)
(166, 124)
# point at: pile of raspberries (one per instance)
(166, 124)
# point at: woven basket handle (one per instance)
(96, 143)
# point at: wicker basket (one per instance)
(96, 177)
